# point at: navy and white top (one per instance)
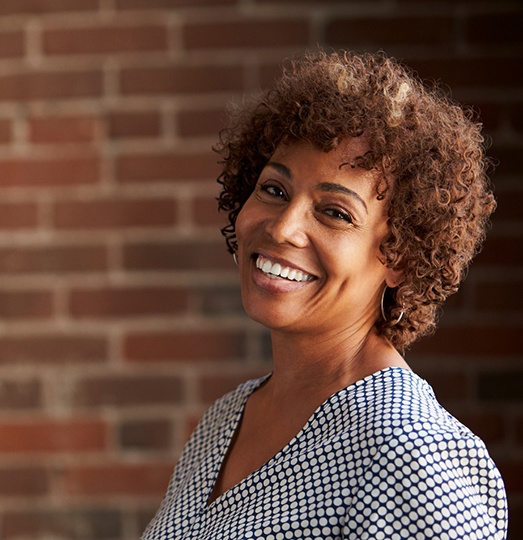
(380, 459)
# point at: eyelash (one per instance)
(334, 213)
(267, 188)
(339, 214)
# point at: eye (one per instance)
(339, 214)
(273, 191)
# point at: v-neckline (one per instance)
(235, 423)
(250, 387)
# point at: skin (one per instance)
(319, 213)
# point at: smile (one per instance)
(277, 270)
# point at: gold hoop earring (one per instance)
(392, 323)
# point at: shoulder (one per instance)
(398, 396)
(425, 464)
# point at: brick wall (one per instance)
(120, 318)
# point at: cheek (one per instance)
(245, 222)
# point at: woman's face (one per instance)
(308, 241)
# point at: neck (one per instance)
(308, 365)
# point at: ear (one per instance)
(393, 278)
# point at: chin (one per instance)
(271, 319)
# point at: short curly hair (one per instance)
(429, 150)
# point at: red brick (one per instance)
(127, 301)
(20, 394)
(509, 206)
(16, 7)
(489, 114)
(134, 124)
(185, 345)
(184, 255)
(260, 33)
(267, 73)
(501, 251)
(18, 215)
(180, 80)
(430, 2)
(50, 259)
(145, 435)
(125, 390)
(169, 4)
(386, 31)
(22, 172)
(306, 1)
(502, 385)
(50, 85)
(205, 212)
(500, 296)
(488, 71)
(65, 129)
(53, 436)
(197, 122)
(107, 214)
(459, 301)
(512, 473)
(12, 44)
(103, 40)
(219, 301)
(26, 304)
(515, 115)
(51, 522)
(509, 158)
(448, 385)
(6, 130)
(489, 426)
(166, 166)
(473, 341)
(52, 349)
(519, 429)
(495, 28)
(128, 480)
(29, 481)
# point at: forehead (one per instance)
(353, 147)
(342, 165)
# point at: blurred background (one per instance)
(120, 316)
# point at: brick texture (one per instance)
(120, 311)
(108, 39)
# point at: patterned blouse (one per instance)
(380, 459)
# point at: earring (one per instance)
(383, 309)
(235, 258)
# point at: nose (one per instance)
(289, 226)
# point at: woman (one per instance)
(356, 200)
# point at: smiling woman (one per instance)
(356, 199)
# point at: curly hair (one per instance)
(429, 150)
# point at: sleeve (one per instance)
(427, 484)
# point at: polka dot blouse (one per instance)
(380, 459)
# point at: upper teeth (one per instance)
(276, 269)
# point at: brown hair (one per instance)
(429, 150)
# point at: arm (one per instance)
(425, 483)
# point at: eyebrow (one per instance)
(331, 187)
(327, 187)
